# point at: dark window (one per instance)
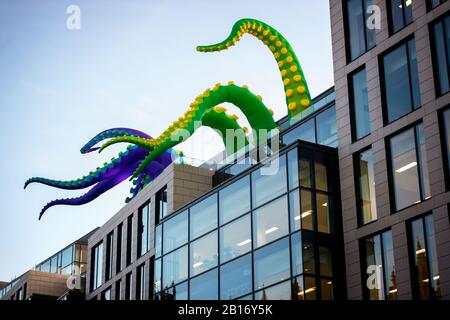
(434, 3)
(360, 38)
(278, 292)
(409, 168)
(143, 230)
(128, 286)
(379, 274)
(109, 256)
(118, 290)
(426, 278)
(129, 239)
(119, 248)
(445, 120)
(401, 82)
(97, 266)
(140, 282)
(441, 50)
(359, 104)
(161, 205)
(400, 14)
(365, 187)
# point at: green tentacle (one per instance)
(297, 93)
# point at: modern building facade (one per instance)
(48, 279)
(392, 98)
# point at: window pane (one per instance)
(306, 132)
(442, 68)
(298, 292)
(414, 73)
(373, 273)
(446, 120)
(294, 210)
(279, 292)
(158, 241)
(157, 276)
(54, 264)
(234, 200)
(310, 288)
(423, 163)
(235, 239)
(326, 128)
(203, 254)
(293, 168)
(432, 257)
(181, 291)
(326, 267)
(305, 169)
(309, 261)
(175, 232)
(366, 180)
(370, 33)
(296, 252)
(67, 256)
(272, 264)
(323, 215)
(360, 106)
(397, 15)
(270, 222)
(205, 286)
(269, 175)
(175, 267)
(421, 260)
(321, 172)
(397, 83)
(236, 278)
(356, 28)
(404, 162)
(143, 217)
(327, 289)
(307, 211)
(390, 276)
(204, 216)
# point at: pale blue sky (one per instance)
(133, 64)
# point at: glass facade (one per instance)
(360, 37)
(212, 251)
(365, 186)
(441, 54)
(400, 14)
(70, 260)
(423, 257)
(401, 82)
(321, 129)
(380, 277)
(409, 168)
(359, 105)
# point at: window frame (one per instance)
(352, 104)
(439, 19)
(390, 17)
(443, 140)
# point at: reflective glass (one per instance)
(203, 254)
(366, 186)
(234, 200)
(175, 267)
(175, 232)
(204, 287)
(203, 216)
(279, 292)
(273, 175)
(235, 239)
(360, 104)
(236, 278)
(326, 128)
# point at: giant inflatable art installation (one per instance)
(147, 157)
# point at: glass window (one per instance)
(326, 128)
(306, 132)
(109, 256)
(446, 131)
(118, 290)
(409, 168)
(45, 266)
(321, 174)
(203, 216)
(273, 175)
(304, 288)
(293, 168)
(365, 189)
(272, 264)
(270, 222)
(140, 282)
(326, 286)
(157, 276)
(234, 200)
(161, 205)
(205, 287)
(235, 239)
(294, 210)
(129, 239)
(401, 85)
(326, 267)
(175, 267)
(67, 256)
(236, 278)
(178, 292)
(309, 260)
(359, 104)
(158, 241)
(359, 37)
(323, 214)
(143, 230)
(401, 14)
(119, 248)
(279, 292)
(203, 254)
(97, 266)
(128, 286)
(175, 232)
(379, 270)
(106, 295)
(305, 168)
(306, 210)
(54, 264)
(434, 3)
(426, 282)
(441, 37)
(296, 252)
